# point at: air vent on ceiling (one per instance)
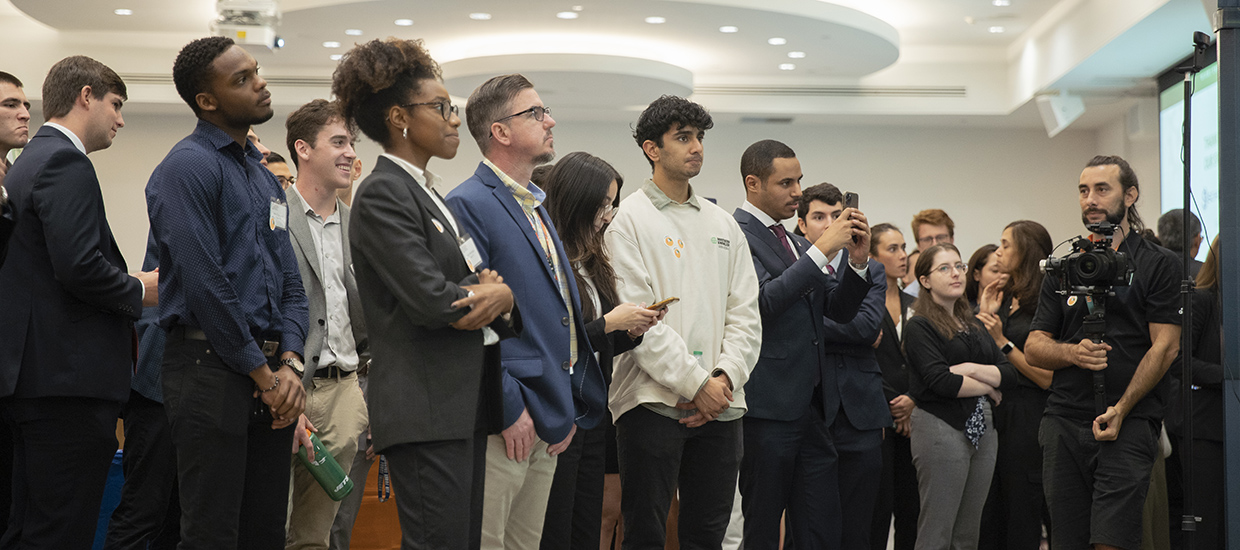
(836, 91)
(294, 81)
(766, 120)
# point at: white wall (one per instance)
(984, 178)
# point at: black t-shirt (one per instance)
(1153, 297)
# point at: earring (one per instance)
(405, 133)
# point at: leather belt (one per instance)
(332, 371)
(269, 347)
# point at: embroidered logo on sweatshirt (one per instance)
(676, 245)
(721, 242)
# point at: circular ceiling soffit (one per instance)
(575, 80)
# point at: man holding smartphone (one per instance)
(790, 456)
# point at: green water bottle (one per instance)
(326, 470)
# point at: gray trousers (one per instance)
(953, 479)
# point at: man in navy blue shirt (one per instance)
(234, 307)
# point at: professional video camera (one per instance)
(1093, 268)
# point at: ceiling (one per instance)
(935, 62)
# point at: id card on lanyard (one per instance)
(279, 215)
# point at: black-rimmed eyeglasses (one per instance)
(538, 112)
(446, 109)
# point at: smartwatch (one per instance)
(1008, 347)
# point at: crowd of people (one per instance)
(537, 363)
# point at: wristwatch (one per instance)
(295, 364)
(1008, 347)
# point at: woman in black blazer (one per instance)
(898, 488)
(582, 195)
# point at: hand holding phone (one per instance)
(662, 304)
(850, 201)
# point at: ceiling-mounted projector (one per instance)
(248, 22)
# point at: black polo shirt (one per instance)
(1153, 297)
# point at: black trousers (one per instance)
(859, 470)
(897, 495)
(62, 450)
(575, 508)
(1016, 506)
(148, 511)
(439, 487)
(789, 465)
(232, 468)
(657, 455)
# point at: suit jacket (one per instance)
(890, 352)
(428, 381)
(536, 369)
(69, 332)
(850, 353)
(312, 281)
(793, 298)
(6, 221)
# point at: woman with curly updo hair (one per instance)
(429, 315)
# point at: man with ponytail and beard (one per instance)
(1096, 467)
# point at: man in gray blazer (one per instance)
(321, 146)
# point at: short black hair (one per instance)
(665, 113)
(275, 158)
(1170, 229)
(759, 159)
(825, 192)
(6, 77)
(191, 72)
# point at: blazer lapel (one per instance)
(299, 228)
(419, 192)
(764, 235)
(504, 195)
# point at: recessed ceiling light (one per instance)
(997, 29)
(404, 22)
(577, 8)
(1001, 3)
(729, 29)
(331, 44)
(336, 56)
(796, 55)
(656, 20)
(787, 67)
(123, 11)
(479, 16)
(777, 41)
(567, 15)
(353, 32)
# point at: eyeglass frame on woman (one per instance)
(453, 109)
(946, 269)
(606, 209)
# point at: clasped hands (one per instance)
(490, 299)
(711, 400)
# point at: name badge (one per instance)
(470, 251)
(279, 215)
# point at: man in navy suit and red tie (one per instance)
(789, 461)
(67, 341)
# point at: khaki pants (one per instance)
(337, 410)
(515, 501)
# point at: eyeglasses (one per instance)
(606, 210)
(286, 181)
(446, 109)
(538, 111)
(931, 240)
(946, 269)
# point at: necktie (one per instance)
(782, 235)
(830, 270)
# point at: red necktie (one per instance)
(782, 235)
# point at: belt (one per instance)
(269, 347)
(332, 372)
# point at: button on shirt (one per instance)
(339, 348)
(223, 269)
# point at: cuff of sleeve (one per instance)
(863, 272)
(692, 383)
(819, 258)
(294, 344)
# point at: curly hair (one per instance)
(665, 113)
(191, 72)
(375, 76)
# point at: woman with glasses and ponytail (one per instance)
(957, 373)
(583, 192)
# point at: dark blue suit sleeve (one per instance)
(777, 294)
(863, 328)
(69, 204)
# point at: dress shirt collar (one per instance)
(69, 134)
(660, 199)
(530, 195)
(766, 220)
(427, 179)
(334, 218)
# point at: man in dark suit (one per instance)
(66, 340)
(321, 145)
(14, 133)
(856, 426)
(434, 390)
(552, 381)
(789, 459)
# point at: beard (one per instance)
(1114, 216)
(544, 158)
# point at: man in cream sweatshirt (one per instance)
(678, 397)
